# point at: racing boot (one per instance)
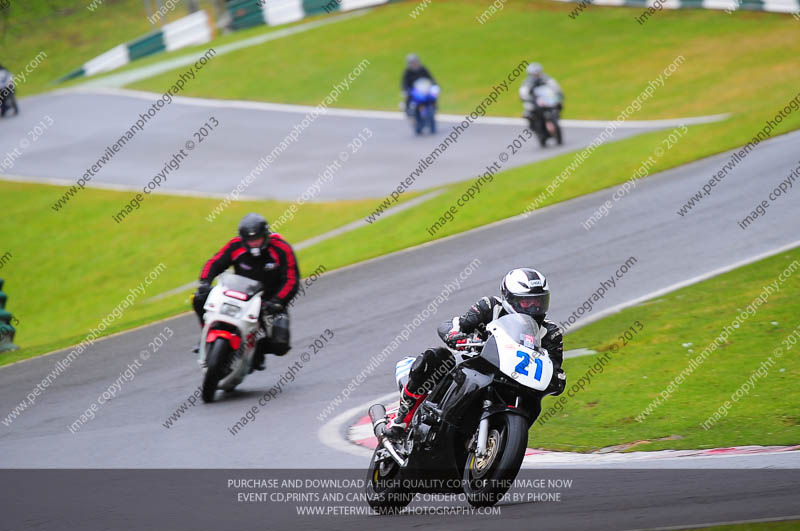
(258, 361)
(409, 402)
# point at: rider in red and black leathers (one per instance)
(523, 290)
(264, 256)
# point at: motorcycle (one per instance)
(543, 112)
(8, 99)
(422, 105)
(229, 336)
(469, 435)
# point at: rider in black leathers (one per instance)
(414, 71)
(523, 290)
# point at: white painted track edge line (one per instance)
(330, 434)
(387, 115)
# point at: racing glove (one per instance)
(203, 288)
(271, 307)
(450, 332)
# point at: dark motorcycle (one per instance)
(8, 99)
(542, 109)
(470, 433)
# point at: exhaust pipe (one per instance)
(377, 415)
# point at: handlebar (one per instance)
(472, 342)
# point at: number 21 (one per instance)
(521, 367)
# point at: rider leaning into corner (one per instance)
(537, 77)
(523, 291)
(264, 256)
(414, 70)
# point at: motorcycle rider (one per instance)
(8, 98)
(537, 77)
(414, 71)
(264, 256)
(523, 290)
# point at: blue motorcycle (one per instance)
(422, 105)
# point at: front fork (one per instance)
(489, 409)
(483, 431)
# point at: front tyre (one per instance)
(383, 487)
(217, 362)
(418, 123)
(487, 478)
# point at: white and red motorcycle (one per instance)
(231, 331)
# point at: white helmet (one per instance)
(535, 69)
(525, 290)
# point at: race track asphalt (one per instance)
(84, 124)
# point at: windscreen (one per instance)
(546, 95)
(243, 284)
(521, 328)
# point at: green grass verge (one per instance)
(604, 413)
(68, 33)
(219, 40)
(69, 270)
(603, 59)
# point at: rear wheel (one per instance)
(488, 477)
(217, 361)
(384, 490)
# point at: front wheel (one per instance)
(487, 478)
(383, 488)
(419, 120)
(559, 136)
(217, 362)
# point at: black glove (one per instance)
(557, 384)
(271, 306)
(203, 288)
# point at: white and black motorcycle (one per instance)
(231, 331)
(470, 433)
(542, 109)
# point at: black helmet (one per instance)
(254, 231)
(525, 291)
